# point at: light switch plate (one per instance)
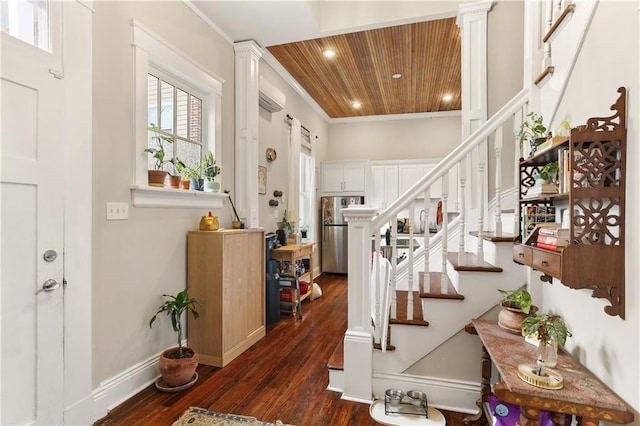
(117, 211)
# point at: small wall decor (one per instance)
(271, 155)
(262, 180)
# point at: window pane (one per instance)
(152, 104)
(166, 114)
(195, 134)
(188, 152)
(26, 20)
(181, 113)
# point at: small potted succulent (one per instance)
(516, 306)
(177, 364)
(158, 174)
(209, 171)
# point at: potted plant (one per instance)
(209, 171)
(177, 364)
(549, 172)
(157, 175)
(175, 173)
(516, 306)
(532, 130)
(194, 176)
(549, 330)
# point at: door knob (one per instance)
(49, 285)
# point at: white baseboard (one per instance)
(450, 395)
(117, 389)
(80, 413)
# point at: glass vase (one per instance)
(547, 354)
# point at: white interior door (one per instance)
(31, 220)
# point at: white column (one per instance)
(358, 340)
(472, 20)
(248, 55)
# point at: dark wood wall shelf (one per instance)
(595, 199)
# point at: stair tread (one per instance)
(490, 236)
(336, 360)
(401, 309)
(470, 262)
(435, 289)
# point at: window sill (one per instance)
(148, 196)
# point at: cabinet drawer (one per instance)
(547, 262)
(522, 254)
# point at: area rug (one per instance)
(199, 417)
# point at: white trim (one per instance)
(452, 395)
(148, 196)
(117, 389)
(388, 117)
(208, 21)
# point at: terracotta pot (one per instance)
(178, 371)
(156, 177)
(185, 184)
(510, 319)
(174, 181)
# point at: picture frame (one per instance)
(262, 180)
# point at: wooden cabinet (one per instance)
(340, 177)
(292, 253)
(226, 275)
(593, 197)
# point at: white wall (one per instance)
(394, 139)
(137, 260)
(608, 346)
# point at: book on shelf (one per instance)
(552, 241)
(564, 170)
(541, 188)
(532, 237)
(557, 232)
(550, 247)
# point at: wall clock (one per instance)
(271, 155)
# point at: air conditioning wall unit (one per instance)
(269, 97)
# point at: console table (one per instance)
(583, 394)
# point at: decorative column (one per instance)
(358, 340)
(472, 20)
(247, 76)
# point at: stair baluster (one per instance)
(462, 167)
(482, 162)
(498, 149)
(445, 231)
(427, 236)
(412, 208)
(394, 267)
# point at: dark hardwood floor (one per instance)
(284, 376)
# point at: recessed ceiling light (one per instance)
(329, 53)
(356, 104)
(397, 75)
(447, 97)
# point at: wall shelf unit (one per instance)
(595, 202)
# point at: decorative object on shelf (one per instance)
(157, 175)
(549, 330)
(209, 172)
(516, 306)
(549, 172)
(262, 180)
(209, 223)
(271, 155)
(532, 130)
(236, 224)
(177, 364)
(546, 379)
(273, 203)
(304, 228)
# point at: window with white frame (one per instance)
(307, 192)
(27, 21)
(182, 99)
(174, 111)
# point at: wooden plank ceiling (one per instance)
(426, 54)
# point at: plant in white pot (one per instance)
(177, 364)
(160, 142)
(209, 171)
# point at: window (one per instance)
(183, 98)
(27, 21)
(176, 112)
(307, 190)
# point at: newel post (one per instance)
(358, 340)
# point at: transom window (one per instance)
(175, 112)
(27, 21)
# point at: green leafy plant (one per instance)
(209, 167)
(547, 327)
(549, 171)
(158, 152)
(531, 129)
(179, 167)
(517, 299)
(174, 308)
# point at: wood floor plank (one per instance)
(283, 376)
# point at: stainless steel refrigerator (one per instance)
(334, 232)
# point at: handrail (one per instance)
(453, 158)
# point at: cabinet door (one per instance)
(353, 178)
(384, 188)
(408, 175)
(332, 178)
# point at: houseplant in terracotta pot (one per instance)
(178, 364)
(158, 174)
(516, 306)
(549, 330)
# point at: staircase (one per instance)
(451, 277)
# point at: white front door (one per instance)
(31, 217)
